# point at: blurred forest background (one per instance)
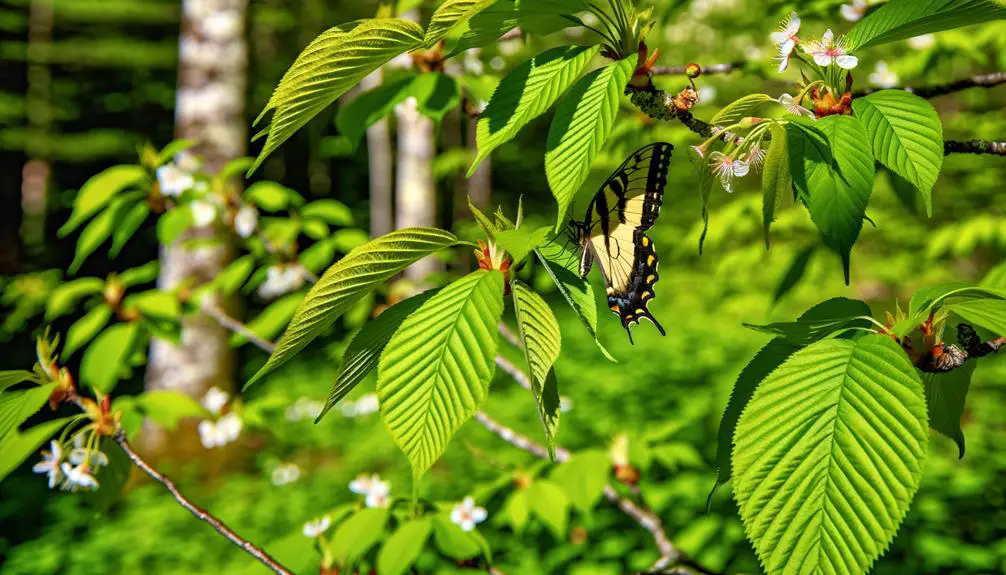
(85, 82)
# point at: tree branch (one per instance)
(974, 147)
(990, 80)
(945, 358)
(709, 70)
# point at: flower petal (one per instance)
(847, 61)
(822, 59)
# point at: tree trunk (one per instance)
(480, 185)
(36, 171)
(379, 156)
(210, 110)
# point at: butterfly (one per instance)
(613, 233)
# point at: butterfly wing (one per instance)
(625, 207)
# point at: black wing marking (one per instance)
(636, 189)
(631, 305)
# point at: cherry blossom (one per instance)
(50, 464)
(882, 76)
(316, 527)
(215, 400)
(78, 478)
(827, 51)
(755, 156)
(726, 169)
(246, 221)
(173, 181)
(789, 102)
(285, 474)
(203, 213)
(467, 515)
(281, 279)
(221, 432)
(855, 10)
(785, 38)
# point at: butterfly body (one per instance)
(613, 233)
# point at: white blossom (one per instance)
(285, 474)
(377, 492)
(316, 527)
(827, 51)
(203, 213)
(789, 102)
(922, 42)
(281, 279)
(367, 404)
(221, 432)
(855, 10)
(78, 478)
(245, 221)
(188, 162)
(467, 515)
(173, 180)
(726, 169)
(755, 156)
(785, 38)
(565, 404)
(215, 400)
(304, 408)
(50, 464)
(882, 76)
(94, 458)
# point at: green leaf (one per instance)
(17, 406)
(457, 544)
(930, 298)
(740, 108)
(98, 191)
(539, 332)
(516, 510)
(14, 377)
(174, 148)
(995, 278)
(765, 362)
(795, 272)
(435, 371)
(946, 394)
(230, 280)
(64, 298)
(331, 212)
(900, 19)
(173, 224)
(155, 304)
(166, 407)
(127, 221)
(534, 16)
(828, 455)
(526, 93)
(582, 123)
(145, 274)
(350, 279)
(450, 14)
(836, 194)
(776, 180)
(549, 502)
(332, 64)
(583, 478)
(364, 350)
(562, 266)
(810, 137)
(907, 137)
(358, 534)
(85, 328)
(369, 107)
(705, 190)
(100, 366)
(112, 478)
(96, 232)
(519, 242)
(989, 314)
(436, 94)
(820, 321)
(269, 196)
(402, 549)
(273, 318)
(18, 446)
(314, 229)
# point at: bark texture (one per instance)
(380, 158)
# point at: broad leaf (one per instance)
(820, 321)
(402, 549)
(435, 95)
(776, 180)
(85, 328)
(364, 350)
(435, 371)
(740, 108)
(94, 234)
(20, 445)
(172, 224)
(946, 394)
(450, 14)
(331, 65)
(17, 406)
(907, 137)
(348, 280)
(583, 478)
(995, 278)
(145, 274)
(455, 543)
(358, 534)
(516, 510)
(548, 501)
(104, 358)
(539, 332)
(64, 298)
(930, 298)
(166, 407)
(127, 221)
(795, 272)
(582, 123)
(98, 191)
(155, 304)
(989, 314)
(828, 455)
(900, 19)
(562, 266)
(14, 377)
(520, 242)
(526, 93)
(330, 211)
(502, 16)
(835, 194)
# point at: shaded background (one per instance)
(87, 81)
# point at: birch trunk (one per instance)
(380, 159)
(36, 171)
(211, 110)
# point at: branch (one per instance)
(974, 147)
(709, 70)
(945, 358)
(201, 514)
(211, 309)
(990, 80)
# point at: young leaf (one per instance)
(98, 191)
(995, 278)
(155, 304)
(519, 242)
(358, 534)
(583, 478)
(738, 109)
(331, 65)
(820, 321)
(526, 93)
(331, 212)
(561, 265)
(127, 221)
(550, 503)
(173, 223)
(348, 280)
(900, 19)
(930, 298)
(369, 107)
(17, 406)
(85, 328)
(448, 15)
(516, 510)
(776, 180)
(17, 446)
(230, 280)
(539, 332)
(907, 137)
(93, 236)
(145, 274)
(435, 371)
(166, 408)
(835, 194)
(14, 377)
(63, 299)
(502, 16)
(402, 549)
(435, 94)
(828, 455)
(455, 543)
(103, 359)
(581, 124)
(364, 350)
(269, 196)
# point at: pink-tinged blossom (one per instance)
(726, 169)
(50, 464)
(855, 10)
(467, 515)
(827, 51)
(789, 102)
(785, 38)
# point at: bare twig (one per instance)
(990, 80)
(211, 309)
(509, 335)
(974, 147)
(709, 70)
(201, 514)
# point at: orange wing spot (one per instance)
(615, 308)
(646, 241)
(649, 260)
(651, 278)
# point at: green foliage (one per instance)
(739, 109)
(403, 547)
(166, 407)
(98, 191)
(900, 19)
(549, 503)
(450, 14)
(105, 358)
(502, 16)
(435, 95)
(907, 137)
(827, 486)
(435, 371)
(539, 333)
(583, 478)
(777, 181)
(10, 378)
(350, 279)
(357, 535)
(945, 398)
(17, 406)
(17, 446)
(65, 297)
(86, 328)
